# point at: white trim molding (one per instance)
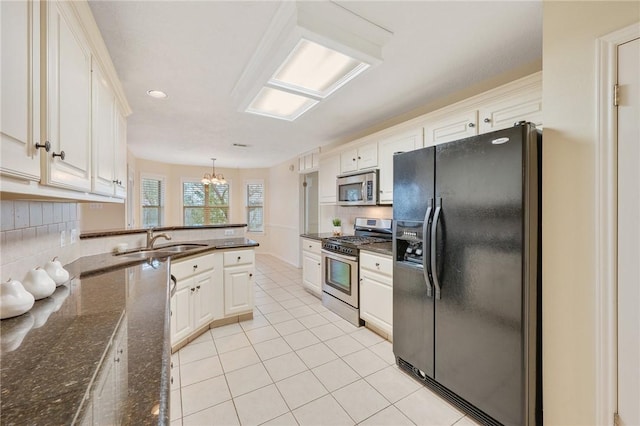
(606, 224)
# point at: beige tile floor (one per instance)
(296, 363)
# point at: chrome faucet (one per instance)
(152, 239)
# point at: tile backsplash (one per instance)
(33, 232)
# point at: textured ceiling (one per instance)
(196, 51)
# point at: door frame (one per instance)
(606, 224)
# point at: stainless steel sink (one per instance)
(179, 248)
(161, 251)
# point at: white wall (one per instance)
(283, 226)
(570, 30)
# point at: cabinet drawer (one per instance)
(380, 264)
(311, 246)
(191, 266)
(238, 257)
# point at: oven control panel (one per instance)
(339, 248)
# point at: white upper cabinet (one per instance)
(451, 127)
(120, 164)
(497, 109)
(109, 139)
(503, 113)
(309, 162)
(20, 88)
(359, 158)
(387, 147)
(103, 131)
(327, 172)
(68, 99)
(61, 126)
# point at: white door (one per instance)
(629, 233)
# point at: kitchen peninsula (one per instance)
(98, 351)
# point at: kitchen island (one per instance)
(98, 350)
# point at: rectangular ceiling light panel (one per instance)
(316, 70)
(280, 104)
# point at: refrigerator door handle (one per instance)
(425, 265)
(434, 228)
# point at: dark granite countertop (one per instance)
(112, 232)
(318, 237)
(54, 357)
(100, 263)
(380, 248)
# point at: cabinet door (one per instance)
(349, 161)
(311, 272)
(20, 88)
(329, 169)
(122, 364)
(376, 301)
(181, 314)
(68, 105)
(368, 156)
(103, 134)
(523, 106)
(104, 395)
(202, 300)
(120, 156)
(387, 147)
(238, 290)
(450, 128)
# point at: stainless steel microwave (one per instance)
(358, 189)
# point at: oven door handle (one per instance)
(339, 256)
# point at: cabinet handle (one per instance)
(377, 265)
(319, 264)
(239, 257)
(171, 379)
(310, 246)
(172, 367)
(198, 287)
(195, 267)
(193, 289)
(250, 275)
(121, 351)
(353, 159)
(117, 182)
(472, 125)
(46, 146)
(117, 360)
(61, 155)
(487, 120)
(359, 158)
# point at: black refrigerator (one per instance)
(466, 274)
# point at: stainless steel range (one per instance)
(340, 282)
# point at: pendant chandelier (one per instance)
(213, 178)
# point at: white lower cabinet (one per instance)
(311, 266)
(110, 391)
(199, 295)
(208, 288)
(238, 282)
(376, 291)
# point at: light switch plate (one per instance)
(62, 238)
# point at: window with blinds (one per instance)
(255, 207)
(205, 204)
(152, 201)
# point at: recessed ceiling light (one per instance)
(159, 94)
